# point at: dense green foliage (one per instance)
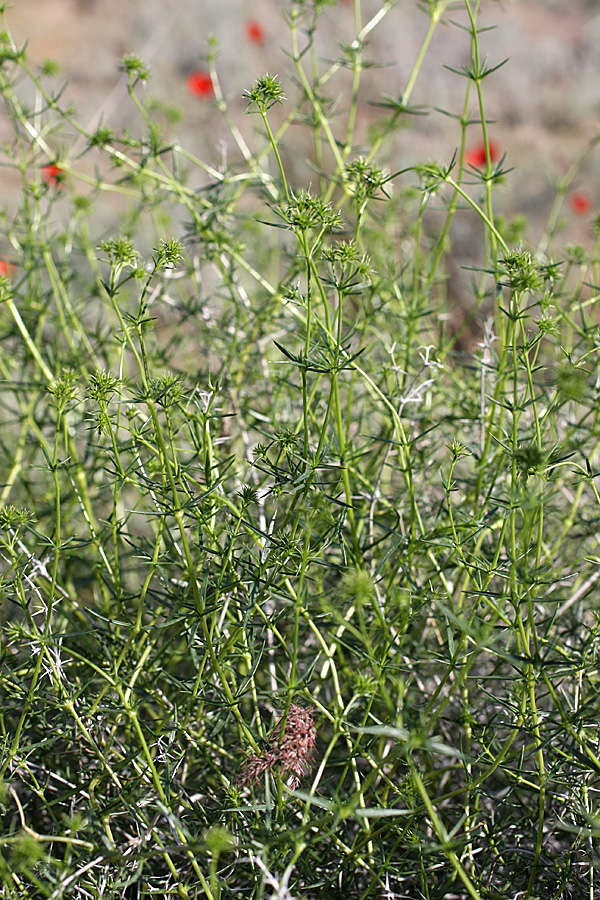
(298, 600)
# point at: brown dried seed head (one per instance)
(291, 750)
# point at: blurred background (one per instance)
(545, 101)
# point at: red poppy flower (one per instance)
(476, 155)
(255, 32)
(53, 174)
(579, 203)
(7, 270)
(200, 84)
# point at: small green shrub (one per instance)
(298, 582)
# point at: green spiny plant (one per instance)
(296, 597)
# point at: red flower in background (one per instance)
(53, 174)
(476, 155)
(255, 32)
(579, 203)
(200, 84)
(7, 270)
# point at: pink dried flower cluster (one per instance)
(290, 751)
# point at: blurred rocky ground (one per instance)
(544, 102)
